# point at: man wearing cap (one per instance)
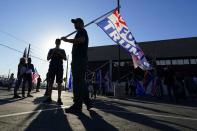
(78, 65)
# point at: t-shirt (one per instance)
(30, 69)
(39, 80)
(22, 70)
(79, 51)
(56, 58)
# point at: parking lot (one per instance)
(30, 114)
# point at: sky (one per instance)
(40, 22)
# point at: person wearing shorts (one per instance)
(56, 57)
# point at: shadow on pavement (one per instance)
(54, 120)
(133, 117)
(155, 100)
(96, 122)
(9, 100)
(173, 123)
(51, 120)
(144, 107)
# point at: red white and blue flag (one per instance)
(35, 75)
(115, 27)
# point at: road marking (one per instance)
(149, 114)
(36, 111)
(62, 107)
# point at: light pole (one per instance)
(66, 72)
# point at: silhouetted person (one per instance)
(28, 78)
(11, 81)
(39, 80)
(47, 85)
(56, 57)
(79, 63)
(127, 87)
(132, 87)
(95, 86)
(160, 75)
(169, 81)
(20, 76)
(179, 87)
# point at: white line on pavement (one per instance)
(140, 113)
(29, 112)
(148, 114)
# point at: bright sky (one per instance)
(40, 22)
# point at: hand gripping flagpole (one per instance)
(93, 21)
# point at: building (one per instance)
(181, 53)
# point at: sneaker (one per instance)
(45, 94)
(73, 109)
(89, 106)
(59, 102)
(48, 100)
(28, 95)
(17, 96)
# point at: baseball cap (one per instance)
(77, 20)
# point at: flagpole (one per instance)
(93, 21)
(66, 72)
(29, 48)
(118, 2)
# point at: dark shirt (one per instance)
(56, 58)
(31, 67)
(169, 77)
(79, 50)
(18, 73)
(21, 70)
(39, 80)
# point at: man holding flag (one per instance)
(78, 66)
(115, 27)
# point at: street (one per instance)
(108, 114)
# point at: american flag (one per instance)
(35, 75)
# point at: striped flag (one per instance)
(70, 81)
(35, 75)
(115, 27)
(140, 91)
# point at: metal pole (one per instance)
(66, 72)
(9, 74)
(118, 2)
(28, 50)
(94, 21)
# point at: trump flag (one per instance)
(115, 27)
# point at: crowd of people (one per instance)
(56, 56)
(161, 82)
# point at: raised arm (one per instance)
(74, 41)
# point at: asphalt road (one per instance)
(108, 114)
